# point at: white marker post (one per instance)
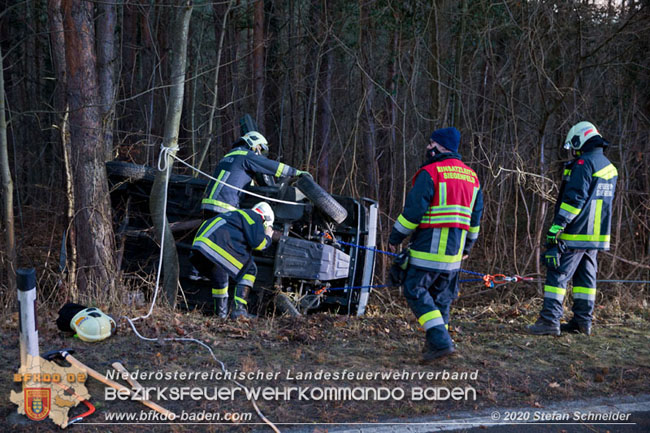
(26, 282)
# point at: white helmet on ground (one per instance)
(256, 142)
(579, 134)
(264, 209)
(91, 325)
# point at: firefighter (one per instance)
(222, 248)
(581, 227)
(238, 168)
(442, 214)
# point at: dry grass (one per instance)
(514, 369)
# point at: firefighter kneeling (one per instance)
(222, 248)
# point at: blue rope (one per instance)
(478, 274)
(374, 286)
(624, 281)
(473, 273)
(388, 253)
(471, 280)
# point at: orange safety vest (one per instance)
(457, 186)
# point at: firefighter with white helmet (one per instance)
(245, 162)
(222, 249)
(237, 168)
(581, 226)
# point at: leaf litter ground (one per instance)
(513, 369)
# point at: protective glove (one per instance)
(303, 173)
(553, 235)
(397, 271)
(553, 254)
(276, 235)
(552, 258)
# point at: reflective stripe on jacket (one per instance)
(229, 238)
(585, 202)
(237, 168)
(443, 212)
(457, 188)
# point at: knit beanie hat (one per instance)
(449, 138)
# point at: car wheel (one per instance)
(129, 170)
(322, 199)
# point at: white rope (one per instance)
(163, 164)
(223, 368)
(232, 186)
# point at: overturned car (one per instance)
(323, 257)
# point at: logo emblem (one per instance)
(37, 403)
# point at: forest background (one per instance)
(349, 90)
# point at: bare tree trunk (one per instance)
(106, 23)
(541, 215)
(71, 233)
(7, 189)
(325, 115)
(221, 33)
(370, 140)
(126, 119)
(458, 73)
(258, 62)
(180, 34)
(93, 221)
(57, 43)
(389, 167)
(434, 60)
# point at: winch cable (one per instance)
(165, 152)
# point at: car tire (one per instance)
(129, 170)
(322, 199)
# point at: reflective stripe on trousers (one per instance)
(580, 266)
(429, 295)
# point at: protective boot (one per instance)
(436, 347)
(221, 307)
(432, 355)
(542, 327)
(240, 303)
(574, 327)
(427, 346)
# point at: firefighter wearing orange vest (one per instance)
(442, 214)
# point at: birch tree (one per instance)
(7, 189)
(179, 38)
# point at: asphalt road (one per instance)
(639, 422)
(625, 414)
